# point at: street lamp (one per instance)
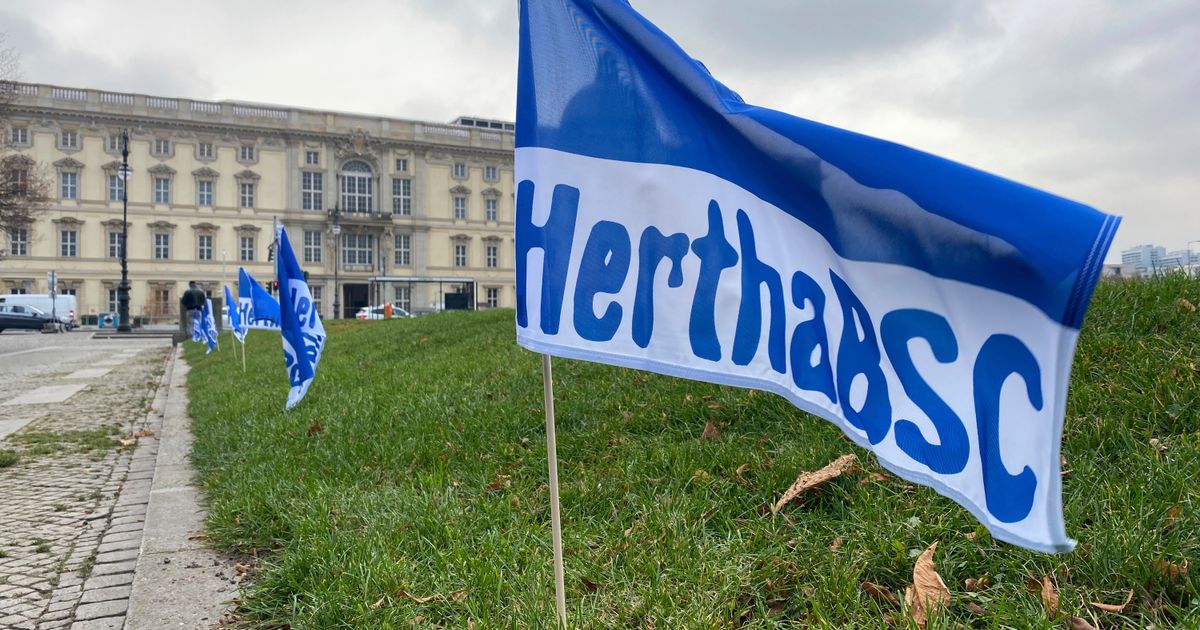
(123, 287)
(336, 230)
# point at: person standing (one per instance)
(193, 301)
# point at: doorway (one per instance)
(354, 297)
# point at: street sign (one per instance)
(124, 172)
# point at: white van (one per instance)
(64, 306)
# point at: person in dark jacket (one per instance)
(193, 300)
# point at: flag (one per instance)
(303, 334)
(257, 308)
(208, 326)
(235, 319)
(664, 224)
(198, 325)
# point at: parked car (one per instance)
(376, 312)
(22, 317)
(61, 305)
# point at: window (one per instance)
(162, 190)
(20, 182)
(491, 255)
(358, 249)
(112, 301)
(402, 196)
(312, 246)
(460, 254)
(71, 292)
(312, 158)
(493, 296)
(403, 250)
(204, 247)
(69, 139)
(162, 246)
(68, 243)
(489, 173)
(162, 146)
(460, 170)
(401, 165)
(356, 187)
(116, 188)
(317, 293)
(312, 191)
(19, 135)
(246, 153)
(113, 143)
(404, 298)
(460, 207)
(247, 194)
(18, 241)
(204, 192)
(69, 185)
(205, 151)
(161, 302)
(114, 244)
(489, 206)
(247, 249)
(19, 291)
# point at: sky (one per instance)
(1094, 100)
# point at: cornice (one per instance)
(68, 163)
(205, 171)
(161, 169)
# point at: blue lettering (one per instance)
(603, 269)
(655, 247)
(861, 356)
(555, 240)
(809, 336)
(749, 322)
(895, 330)
(716, 255)
(303, 307)
(1009, 497)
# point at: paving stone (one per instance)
(118, 545)
(101, 609)
(104, 581)
(114, 567)
(119, 555)
(107, 623)
(105, 594)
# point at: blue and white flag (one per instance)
(256, 307)
(236, 323)
(928, 309)
(198, 325)
(303, 333)
(208, 325)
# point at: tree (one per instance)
(25, 188)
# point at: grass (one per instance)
(55, 442)
(9, 458)
(416, 467)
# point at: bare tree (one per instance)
(25, 187)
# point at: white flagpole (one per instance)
(247, 334)
(560, 596)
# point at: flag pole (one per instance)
(560, 598)
(246, 334)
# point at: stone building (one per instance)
(428, 205)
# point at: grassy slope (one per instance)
(418, 463)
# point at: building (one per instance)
(1147, 260)
(361, 196)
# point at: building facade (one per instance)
(1149, 260)
(427, 204)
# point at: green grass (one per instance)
(55, 442)
(417, 462)
(9, 458)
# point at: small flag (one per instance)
(303, 334)
(235, 319)
(209, 324)
(198, 325)
(928, 309)
(258, 309)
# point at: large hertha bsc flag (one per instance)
(928, 309)
(303, 333)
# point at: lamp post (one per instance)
(336, 230)
(123, 288)
(1192, 264)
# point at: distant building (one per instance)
(1147, 260)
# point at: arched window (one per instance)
(357, 178)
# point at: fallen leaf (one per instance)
(1185, 305)
(419, 600)
(875, 477)
(880, 593)
(740, 472)
(975, 585)
(714, 405)
(1114, 608)
(457, 597)
(711, 432)
(809, 480)
(837, 544)
(379, 603)
(1170, 570)
(1173, 515)
(240, 568)
(470, 624)
(590, 586)
(1162, 448)
(928, 595)
(976, 609)
(1049, 597)
(1078, 623)
(144, 433)
(969, 535)
(315, 428)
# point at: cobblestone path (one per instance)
(73, 501)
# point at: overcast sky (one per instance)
(1098, 101)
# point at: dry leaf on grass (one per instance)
(976, 609)
(1170, 570)
(880, 593)
(129, 441)
(975, 585)
(144, 433)
(809, 480)
(315, 428)
(240, 568)
(1185, 305)
(711, 432)
(1173, 515)
(875, 477)
(379, 603)
(928, 595)
(1078, 623)
(836, 544)
(741, 472)
(1114, 608)
(419, 600)
(1049, 596)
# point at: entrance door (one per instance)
(354, 298)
